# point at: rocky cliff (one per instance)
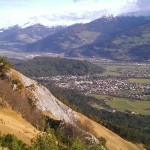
(45, 101)
(24, 92)
(50, 106)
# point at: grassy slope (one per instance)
(141, 107)
(12, 123)
(114, 142)
(24, 133)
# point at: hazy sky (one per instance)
(64, 11)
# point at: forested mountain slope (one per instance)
(52, 66)
(115, 38)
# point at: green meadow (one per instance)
(139, 80)
(123, 104)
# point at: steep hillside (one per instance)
(16, 36)
(71, 38)
(13, 123)
(134, 44)
(113, 140)
(33, 101)
(121, 44)
(55, 109)
(97, 38)
(122, 38)
(44, 100)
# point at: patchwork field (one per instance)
(139, 80)
(125, 104)
(124, 68)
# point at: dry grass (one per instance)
(20, 103)
(2, 148)
(114, 142)
(12, 123)
(15, 124)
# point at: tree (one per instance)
(4, 64)
(100, 146)
(46, 141)
(77, 145)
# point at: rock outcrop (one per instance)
(46, 103)
(49, 105)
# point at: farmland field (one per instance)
(139, 80)
(125, 104)
(125, 68)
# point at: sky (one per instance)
(63, 12)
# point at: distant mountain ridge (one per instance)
(122, 38)
(95, 39)
(16, 36)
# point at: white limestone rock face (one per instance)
(46, 102)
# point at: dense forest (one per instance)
(135, 128)
(51, 66)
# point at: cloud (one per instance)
(67, 11)
(75, 1)
(78, 1)
(143, 4)
(88, 16)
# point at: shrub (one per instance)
(77, 145)
(46, 141)
(11, 142)
(4, 64)
(18, 83)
